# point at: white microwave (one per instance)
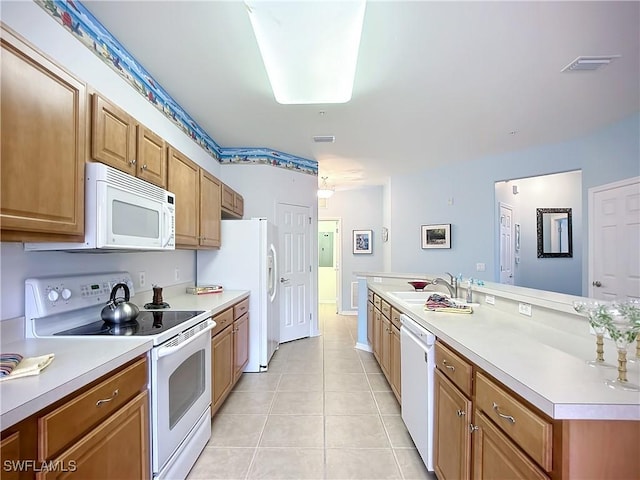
(122, 212)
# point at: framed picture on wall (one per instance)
(362, 240)
(436, 236)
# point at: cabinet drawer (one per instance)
(223, 320)
(385, 308)
(240, 308)
(76, 417)
(376, 301)
(370, 295)
(528, 429)
(395, 318)
(458, 370)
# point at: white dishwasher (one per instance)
(417, 371)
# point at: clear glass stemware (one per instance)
(596, 312)
(623, 326)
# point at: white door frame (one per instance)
(512, 261)
(337, 246)
(590, 206)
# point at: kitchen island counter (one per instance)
(542, 358)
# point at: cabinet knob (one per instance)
(144, 167)
(473, 428)
(133, 161)
(460, 413)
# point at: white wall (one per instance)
(562, 190)
(464, 195)
(359, 209)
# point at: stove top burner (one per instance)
(146, 323)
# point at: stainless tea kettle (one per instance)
(120, 310)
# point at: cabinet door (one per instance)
(151, 157)
(238, 207)
(228, 199)
(183, 179)
(113, 133)
(210, 226)
(10, 456)
(452, 438)
(495, 456)
(116, 448)
(385, 349)
(395, 362)
(370, 323)
(222, 368)
(377, 334)
(240, 345)
(42, 146)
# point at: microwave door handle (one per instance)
(167, 226)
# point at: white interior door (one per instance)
(506, 244)
(294, 229)
(614, 240)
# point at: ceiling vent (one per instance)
(589, 63)
(324, 138)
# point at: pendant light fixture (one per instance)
(325, 191)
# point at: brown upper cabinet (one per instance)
(232, 203)
(118, 140)
(197, 202)
(43, 142)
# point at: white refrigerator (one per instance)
(247, 260)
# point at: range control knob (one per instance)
(66, 294)
(53, 295)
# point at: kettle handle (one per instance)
(115, 290)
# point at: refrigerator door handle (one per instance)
(273, 274)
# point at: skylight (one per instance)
(309, 48)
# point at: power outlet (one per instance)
(377, 279)
(490, 299)
(480, 267)
(524, 309)
(176, 275)
(142, 279)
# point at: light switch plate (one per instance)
(490, 299)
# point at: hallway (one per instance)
(322, 411)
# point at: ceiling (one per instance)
(436, 82)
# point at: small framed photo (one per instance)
(362, 240)
(436, 236)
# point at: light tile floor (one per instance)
(323, 410)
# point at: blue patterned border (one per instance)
(72, 15)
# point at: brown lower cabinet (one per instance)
(482, 430)
(383, 334)
(81, 437)
(229, 351)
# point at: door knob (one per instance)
(283, 280)
(597, 283)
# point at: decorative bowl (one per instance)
(419, 285)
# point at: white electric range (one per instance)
(180, 360)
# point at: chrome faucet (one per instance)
(452, 286)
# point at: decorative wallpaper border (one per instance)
(73, 16)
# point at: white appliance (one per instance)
(180, 360)
(122, 212)
(248, 260)
(417, 375)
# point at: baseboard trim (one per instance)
(364, 347)
(348, 312)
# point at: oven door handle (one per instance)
(181, 342)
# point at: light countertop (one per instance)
(542, 358)
(79, 361)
